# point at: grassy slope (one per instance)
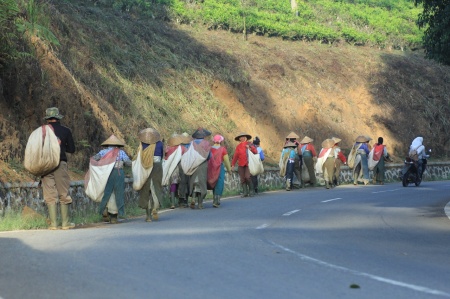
(116, 73)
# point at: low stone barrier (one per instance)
(16, 196)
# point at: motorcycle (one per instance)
(410, 171)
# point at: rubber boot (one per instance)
(327, 184)
(251, 190)
(113, 219)
(215, 201)
(105, 216)
(218, 199)
(148, 218)
(52, 214)
(244, 190)
(288, 185)
(155, 216)
(172, 200)
(200, 201)
(66, 224)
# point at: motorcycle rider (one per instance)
(417, 145)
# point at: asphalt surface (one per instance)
(348, 242)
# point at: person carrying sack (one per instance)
(148, 172)
(56, 183)
(240, 157)
(115, 185)
(195, 165)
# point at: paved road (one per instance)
(349, 242)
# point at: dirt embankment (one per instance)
(176, 78)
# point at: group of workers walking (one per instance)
(300, 158)
(189, 165)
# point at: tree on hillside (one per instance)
(8, 12)
(436, 19)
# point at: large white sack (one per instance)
(42, 152)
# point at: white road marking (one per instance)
(358, 273)
(290, 213)
(328, 200)
(262, 226)
(386, 191)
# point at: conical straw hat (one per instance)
(328, 143)
(186, 138)
(361, 138)
(113, 140)
(243, 135)
(292, 135)
(336, 140)
(149, 136)
(175, 140)
(307, 140)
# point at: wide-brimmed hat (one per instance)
(149, 136)
(368, 137)
(243, 135)
(113, 140)
(306, 139)
(328, 143)
(362, 138)
(186, 138)
(336, 140)
(175, 140)
(52, 112)
(201, 133)
(290, 144)
(292, 135)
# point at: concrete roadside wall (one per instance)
(15, 196)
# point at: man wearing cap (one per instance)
(56, 184)
(116, 179)
(298, 163)
(309, 156)
(240, 157)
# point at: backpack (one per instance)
(414, 155)
(42, 153)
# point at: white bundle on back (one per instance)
(42, 152)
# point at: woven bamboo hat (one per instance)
(149, 136)
(362, 138)
(201, 133)
(290, 144)
(113, 140)
(292, 135)
(186, 138)
(175, 140)
(306, 140)
(336, 140)
(328, 143)
(243, 135)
